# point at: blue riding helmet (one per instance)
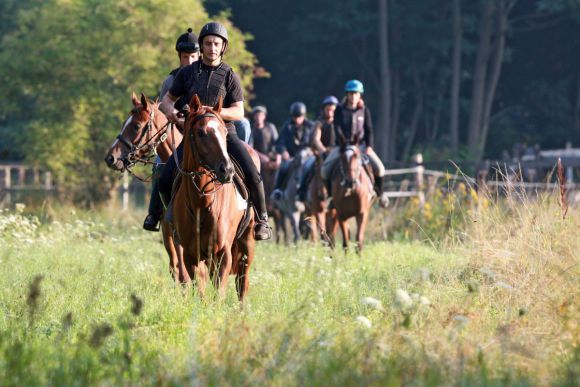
(354, 85)
(330, 100)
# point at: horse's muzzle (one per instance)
(114, 163)
(225, 173)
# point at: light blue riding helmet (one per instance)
(354, 85)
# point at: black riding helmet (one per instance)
(297, 109)
(214, 28)
(187, 42)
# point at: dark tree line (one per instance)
(455, 79)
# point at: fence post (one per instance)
(21, 177)
(125, 191)
(47, 180)
(569, 170)
(419, 179)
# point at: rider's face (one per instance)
(298, 120)
(353, 98)
(187, 58)
(259, 118)
(212, 47)
(329, 110)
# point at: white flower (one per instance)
(365, 322)
(402, 299)
(372, 302)
(424, 301)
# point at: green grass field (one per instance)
(86, 299)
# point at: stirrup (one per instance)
(151, 223)
(262, 231)
(277, 194)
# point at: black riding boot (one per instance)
(383, 198)
(304, 183)
(277, 193)
(262, 230)
(155, 210)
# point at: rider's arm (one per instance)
(316, 143)
(233, 112)
(368, 127)
(168, 108)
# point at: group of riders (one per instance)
(203, 72)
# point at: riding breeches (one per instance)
(334, 155)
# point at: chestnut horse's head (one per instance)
(141, 133)
(206, 132)
(350, 163)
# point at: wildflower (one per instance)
(365, 322)
(372, 302)
(402, 299)
(424, 301)
(19, 207)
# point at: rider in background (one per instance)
(211, 79)
(188, 52)
(353, 119)
(294, 136)
(323, 139)
(264, 134)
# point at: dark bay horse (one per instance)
(147, 130)
(206, 208)
(352, 193)
(287, 204)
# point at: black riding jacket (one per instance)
(351, 123)
(294, 138)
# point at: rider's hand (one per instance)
(173, 118)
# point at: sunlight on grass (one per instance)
(90, 301)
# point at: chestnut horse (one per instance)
(206, 208)
(147, 130)
(352, 193)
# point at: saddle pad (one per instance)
(242, 203)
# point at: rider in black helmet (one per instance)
(187, 49)
(212, 79)
(294, 136)
(322, 141)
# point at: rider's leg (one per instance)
(280, 179)
(378, 172)
(327, 167)
(255, 184)
(166, 182)
(155, 210)
(306, 178)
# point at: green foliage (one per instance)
(76, 62)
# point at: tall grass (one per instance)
(88, 300)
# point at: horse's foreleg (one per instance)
(332, 226)
(168, 242)
(243, 269)
(295, 220)
(361, 222)
(345, 234)
(202, 276)
(220, 270)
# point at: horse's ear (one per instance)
(195, 103)
(144, 102)
(218, 108)
(134, 99)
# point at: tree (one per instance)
(76, 63)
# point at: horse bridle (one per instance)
(206, 169)
(357, 172)
(136, 147)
